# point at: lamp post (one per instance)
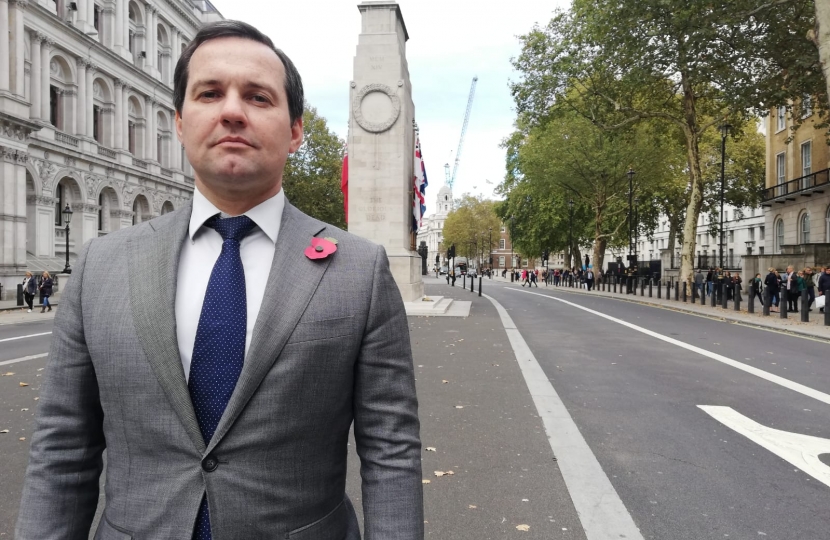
(631, 248)
(724, 132)
(490, 251)
(67, 217)
(570, 233)
(636, 233)
(512, 257)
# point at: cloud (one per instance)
(451, 41)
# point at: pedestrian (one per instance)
(589, 279)
(756, 287)
(525, 277)
(212, 429)
(709, 278)
(534, 279)
(699, 277)
(46, 289)
(824, 285)
(29, 290)
(810, 286)
(772, 284)
(791, 285)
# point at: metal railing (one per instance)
(808, 182)
(104, 151)
(66, 139)
(140, 163)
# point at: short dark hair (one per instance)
(228, 28)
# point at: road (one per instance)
(705, 429)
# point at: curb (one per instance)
(23, 307)
(713, 315)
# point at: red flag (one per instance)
(344, 184)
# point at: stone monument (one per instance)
(382, 143)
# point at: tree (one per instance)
(312, 174)
(469, 227)
(692, 65)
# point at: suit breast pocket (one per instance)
(322, 329)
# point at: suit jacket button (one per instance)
(210, 463)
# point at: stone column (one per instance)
(382, 144)
(4, 46)
(45, 71)
(150, 130)
(35, 88)
(80, 109)
(90, 16)
(125, 117)
(90, 73)
(81, 16)
(175, 46)
(148, 107)
(150, 37)
(118, 139)
(18, 7)
(120, 29)
(13, 226)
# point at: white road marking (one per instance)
(799, 450)
(601, 511)
(786, 383)
(24, 337)
(23, 359)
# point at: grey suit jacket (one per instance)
(330, 346)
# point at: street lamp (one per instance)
(512, 257)
(490, 251)
(67, 217)
(724, 132)
(631, 249)
(570, 233)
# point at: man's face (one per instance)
(235, 124)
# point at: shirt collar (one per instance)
(267, 214)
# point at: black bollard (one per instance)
(20, 294)
(685, 299)
(668, 289)
(805, 308)
(737, 299)
(750, 307)
(826, 311)
(677, 292)
(714, 295)
(479, 286)
(767, 302)
(464, 281)
(782, 302)
(659, 289)
(472, 284)
(724, 295)
(650, 285)
(615, 284)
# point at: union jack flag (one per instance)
(419, 188)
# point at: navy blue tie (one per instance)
(219, 349)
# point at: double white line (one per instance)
(24, 358)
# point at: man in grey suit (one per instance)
(223, 375)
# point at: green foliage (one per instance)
(312, 175)
(470, 226)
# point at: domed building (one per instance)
(432, 228)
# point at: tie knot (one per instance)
(234, 228)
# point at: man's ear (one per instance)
(179, 126)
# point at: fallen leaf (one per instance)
(41, 369)
(459, 406)
(430, 449)
(4, 431)
(24, 384)
(22, 438)
(37, 398)
(472, 506)
(445, 381)
(426, 481)
(525, 500)
(450, 473)
(24, 409)
(9, 374)
(439, 473)
(523, 527)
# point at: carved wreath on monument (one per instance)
(357, 111)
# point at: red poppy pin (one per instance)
(321, 248)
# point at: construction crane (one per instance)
(451, 179)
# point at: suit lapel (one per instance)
(291, 284)
(154, 262)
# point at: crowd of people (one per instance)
(794, 282)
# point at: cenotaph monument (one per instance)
(382, 143)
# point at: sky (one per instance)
(450, 42)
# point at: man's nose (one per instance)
(233, 110)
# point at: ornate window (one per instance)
(779, 235)
(805, 228)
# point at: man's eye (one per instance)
(261, 99)
(209, 94)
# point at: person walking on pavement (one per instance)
(46, 289)
(199, 388)
(699, 283)
(824, 285)
(589, 279)
(534, 279)
(772, 284)
(791, 285)
(709, 278)
(29, 290)
(810, 285)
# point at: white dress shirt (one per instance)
(201, 251)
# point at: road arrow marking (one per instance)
(799, 450)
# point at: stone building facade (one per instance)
(432, 228)
(87, 120)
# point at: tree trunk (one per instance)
(672, 237)
(600, 241)
(823, 40)
(690, 130)
(577, 260)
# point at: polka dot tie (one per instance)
(219, 349)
